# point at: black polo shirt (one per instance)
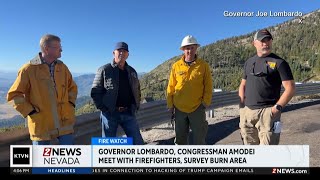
(125, 96)
(264, 76)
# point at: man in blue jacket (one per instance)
(116, 92)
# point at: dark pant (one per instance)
(128, 122)
(197, 122)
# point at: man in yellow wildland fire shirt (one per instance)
(189, 92)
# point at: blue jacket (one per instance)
(105, 87)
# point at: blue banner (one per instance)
(112, 141)
(61, 170)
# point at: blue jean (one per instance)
(128, 122)
(63, 140)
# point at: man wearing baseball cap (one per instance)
(116, 92)
(260, 100)
(189, 92)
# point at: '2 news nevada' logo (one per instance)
(61, 155)
(20, 156)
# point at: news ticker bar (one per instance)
(158, 171)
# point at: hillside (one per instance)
(84, 83)
(298, 43)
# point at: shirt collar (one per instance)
(189, 63)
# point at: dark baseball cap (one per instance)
(262, 34)
(121, 45)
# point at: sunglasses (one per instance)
(261, 73)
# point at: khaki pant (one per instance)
(257, 126)
(197, 122)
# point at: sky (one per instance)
(153, 30)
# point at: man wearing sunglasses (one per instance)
(260, 100)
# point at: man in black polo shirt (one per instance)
(116, 92)
(259, 91)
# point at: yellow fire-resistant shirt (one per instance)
(189, 86)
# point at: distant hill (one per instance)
(78, 74)
(298, 43)
(140, 75)
(3, 94)
(84, 83)
(7, 78)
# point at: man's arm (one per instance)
(97, 90)
(72, 89)
(139, 92)
(17, 94)
(288, 85)
(242, 89)
(170, 89)
(207, 97)
(289, 91)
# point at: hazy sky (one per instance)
(153, 29)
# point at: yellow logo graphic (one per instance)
(272, 65)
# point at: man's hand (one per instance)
(274, 111)
(171, 111)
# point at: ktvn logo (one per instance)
(20, 156)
